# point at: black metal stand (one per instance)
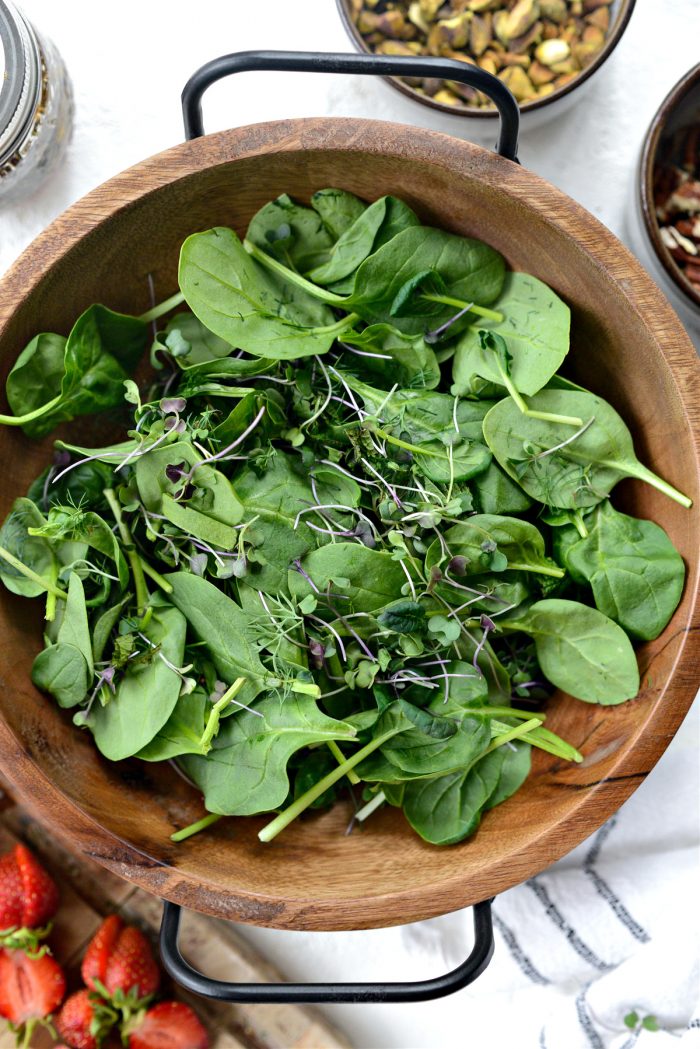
(421, 991)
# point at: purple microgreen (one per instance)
(319, 411)
(386, 484)
(437, 334)
(334, 632)
(173, 405)
(487, 625)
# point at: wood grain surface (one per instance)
(628, 345)
(89, 893)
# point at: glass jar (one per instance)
(36, 105)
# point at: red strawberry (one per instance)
(169, 1025)
(102, 944)
(28, 895)
(74, 1020)
(30, 989)
(119, 958)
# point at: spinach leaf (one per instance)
(100, 351)
(493, 543)
(296, 235)
(514, 771)
(182, 732)
(469, 270)
(495, 493)
(417, 366)
(420, 755)
(535, 328)
(147, 693)
(66, 523)
(211, 508)
(83, 486)
(33, 551)
(186, 338)
(272, 502)
(371, 579)
(224, 629)
(75, 630)
(62, 670)
(633, 568)
(246, 770)
(580, 650)
(338, 209)
(447, 809)
(249, 307)
(564, 469)
(377, 224)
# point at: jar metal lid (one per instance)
(20, 78)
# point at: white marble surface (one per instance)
(129, 62)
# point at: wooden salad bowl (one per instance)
(628, 345)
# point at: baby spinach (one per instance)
(564, 469)
(493, 543)
(188, 340)
(635, 572)
(580, 650)
(249, 307)
(370, 579)
(535, 328)
(62, 670)
(447, 809)
(223, 628)
(147, 693)
(101, 350)
(246, 770)
(377, 224)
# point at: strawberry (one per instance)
(86, 1019)
(30, 989)
(28, 895)
(119, 959)
(74, 1021)
(168, 1025)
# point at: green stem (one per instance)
(579, 523)
(291, 276)
(157, 578)
(130, 549)
(272, 829)
(513, 733)
(162, 308)
(215, 713)
(20, 420)
(404, 444)
(644, 474)
(340, 758)
(550, 417)
(194, 828)
(28, 573)
(371, 806)
(509, 712)
(541, 737)
(481, 311)
(556, 573)
(331, 329)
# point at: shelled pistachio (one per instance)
(535, 46)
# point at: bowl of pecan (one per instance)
(543, 50)
(669, 194)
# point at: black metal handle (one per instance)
(282, 993)
(378, 65)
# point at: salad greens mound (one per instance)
(357, 531)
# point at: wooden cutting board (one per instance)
(89, 893)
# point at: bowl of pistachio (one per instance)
(543, 50)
